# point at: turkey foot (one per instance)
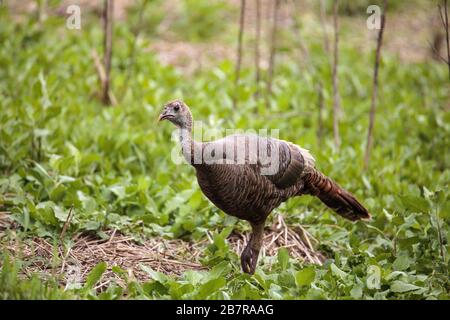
(249, 256)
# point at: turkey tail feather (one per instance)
(334, 196)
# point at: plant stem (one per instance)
(108, 8)
(239, 53)
(257, 47)
(336, 97)
(375, 88)
(273, 46)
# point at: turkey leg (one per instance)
(249, 256)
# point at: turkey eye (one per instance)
(176, 108)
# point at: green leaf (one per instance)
(357, 291)
(283, 258)
(66, 179)
(305, 276)
(155, 275)
(92, 225)
(400, 286)
(341, 274)
(46, 213)
(94, 275)
(40, 169)
(415, 203)
(226, 232)
(118, 190)
(275, 292)
(401, 263)
(210, 287)
(444, 211)
(219, 270)
(60, 213)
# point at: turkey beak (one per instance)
(165, 115)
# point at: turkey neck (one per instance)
(189, 146)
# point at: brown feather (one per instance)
(334, 196)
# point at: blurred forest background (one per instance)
(92, 206)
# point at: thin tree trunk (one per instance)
(336, 96)
(239, 53)
(304, 52)
(447, 36)
(257, 47)
(436, 46)
(375, 88)
(273, 45)
(320, 120)
(108, 8)
(136, 33)
(440, 238)
(323, 22)
(67, 223)
(445, 24)
(42, 11)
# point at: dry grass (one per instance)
(296, 240)
(73, 260)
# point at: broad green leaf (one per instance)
(415, 203)
(400, 286)
(283, 258)
(341, 274)
(118, 190)
(155, 275)
(60, 213)
(95, 275)
(357, 291)
(305, 276)
(401, 263)
(210, 287)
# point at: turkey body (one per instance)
(248, 176)
(241, 190)
(245, 195)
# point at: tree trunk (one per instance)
(108, 8)
(133, 53)
(444, 19)
(336, 96)
(323, 22)
(375, 88)
(320, 103)
(257, 47)
(239, 54)
(273, 46)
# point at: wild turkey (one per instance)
(239, 186)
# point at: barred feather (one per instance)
(334, 196)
